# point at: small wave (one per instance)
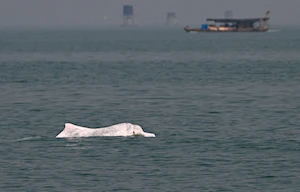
(71, 145)
(273, 30)
(30, 138)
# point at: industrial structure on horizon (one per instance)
(228, 14)
(171, 18)
(128, 16)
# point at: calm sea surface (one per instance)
(225, 109)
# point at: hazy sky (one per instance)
(72, 13)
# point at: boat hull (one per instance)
(223, 31)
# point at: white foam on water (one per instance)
(118, 130)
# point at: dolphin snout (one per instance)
(149, 134)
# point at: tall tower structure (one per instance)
(228, 14)
(171, 18)
(128, 15)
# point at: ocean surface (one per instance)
(225, 109)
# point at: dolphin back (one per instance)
(119, 130)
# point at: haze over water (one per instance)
(95, 13)
(224, 107)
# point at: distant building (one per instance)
(128, 15)
(171, 18)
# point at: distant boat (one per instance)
(259, 24)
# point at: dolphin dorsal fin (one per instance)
(72, 127)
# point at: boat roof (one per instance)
(252, 20)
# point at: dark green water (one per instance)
(225, 109)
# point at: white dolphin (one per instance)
(119, 130)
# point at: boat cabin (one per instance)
(259, 24)
(252, 24)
